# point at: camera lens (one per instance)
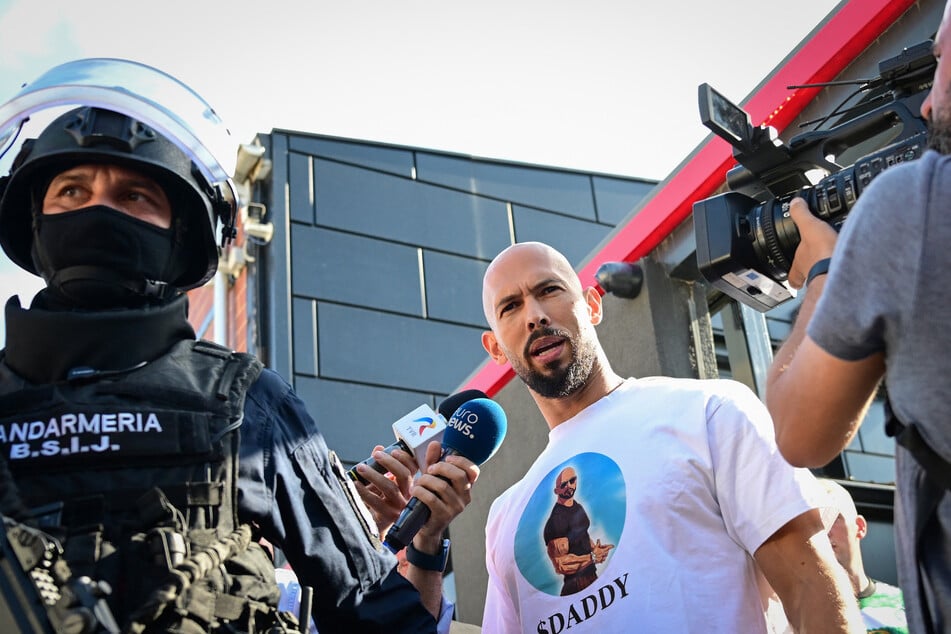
(775, 237)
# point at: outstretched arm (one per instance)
(297, 491)
(815, 591)
(445, 487)
(838, 392)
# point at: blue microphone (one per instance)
(474, 431)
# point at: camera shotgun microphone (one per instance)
(416, 430)
(474, 431)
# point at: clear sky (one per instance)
(606, 86)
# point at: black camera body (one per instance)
(745, 237)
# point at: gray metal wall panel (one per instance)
(384, 206)
(395, 161)
(613, 197)
(355, 270)
(305, 336)
(385, 349)
(354, 418)
(566, 192)
(574, 238)
(450, 285)
(301, 188)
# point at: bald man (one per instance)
(682, 475)
(882, 605)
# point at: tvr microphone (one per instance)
(416, 430)
(475, 431)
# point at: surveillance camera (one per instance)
(248, 161)
(623, 279)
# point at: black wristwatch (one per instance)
(821, 267)
(435, 562)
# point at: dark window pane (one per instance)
(616, 198)
(355, 270)
(386, 159)
(454, 288)
(305, 337)
(402, 210)
(574, 238)
(566, 192)
(403, 352)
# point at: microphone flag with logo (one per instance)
(417, 429)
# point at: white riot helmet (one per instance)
(133, 115)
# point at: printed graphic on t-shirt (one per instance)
(571, 525)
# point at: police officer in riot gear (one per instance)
(104, 257)
(154, 459)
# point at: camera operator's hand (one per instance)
(817, 241)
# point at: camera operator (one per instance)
(876, 306)
(161, 460)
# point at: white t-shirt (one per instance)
(683, 478)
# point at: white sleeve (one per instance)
(757, 490)
(500, 615)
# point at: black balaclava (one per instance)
(98, 257)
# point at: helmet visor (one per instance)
(138, 91)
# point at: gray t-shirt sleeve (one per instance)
(875, 264)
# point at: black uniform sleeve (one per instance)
(288, 487)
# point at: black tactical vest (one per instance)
(135, 474)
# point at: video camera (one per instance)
(745, 237)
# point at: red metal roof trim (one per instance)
(840, 40)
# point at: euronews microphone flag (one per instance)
(475, 431)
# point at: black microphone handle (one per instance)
(376, 466)
(412, 517)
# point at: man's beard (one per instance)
(565, 381)
(939, 129)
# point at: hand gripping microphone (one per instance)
(474, 431)
(417, 429)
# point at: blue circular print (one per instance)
(599, 488)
